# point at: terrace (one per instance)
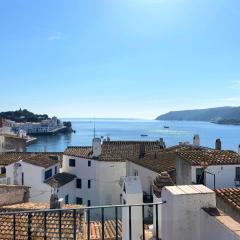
(75, 224)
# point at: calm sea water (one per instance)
(128, 129)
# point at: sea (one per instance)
(137, 129)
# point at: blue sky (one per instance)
(118, 58)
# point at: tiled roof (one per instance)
(161, 181)
(231, 196)
(83, 152)
(11, 157)
(34, 206)
(115, 150)
(109, 230)
(160, 161)
(52, 224)
(122, 150)
(213, 157)
(60, 179)
(41, 160)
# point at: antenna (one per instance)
(94, 130)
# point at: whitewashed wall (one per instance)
(68, 189)
(104, 176)
(211, 228)
(225, 175)
(146, 176)
(108, 177)
(85, 173)
(34, 177)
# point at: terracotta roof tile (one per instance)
(231, 196)
(52, 224)
(213, 157)
(160, 161)
(161, 181)
(12, 157)
(83, 152)
(41, 160)
(115, 150)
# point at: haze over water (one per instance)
(131, 129)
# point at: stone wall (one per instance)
(11, 194)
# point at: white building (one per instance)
(43, 127)
(190, 212)
(150, 166)
(40, 172)
(132, 194)
(100, 168)
(214, 168)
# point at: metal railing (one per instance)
(71, 223)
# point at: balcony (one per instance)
(75, 224)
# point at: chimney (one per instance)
(218, 144)
(96, 147)
(54, 203)
(162, 143)
(239, 149)
(196, 140)
(164, 179)
(132, 194)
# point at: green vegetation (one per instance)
(23, 116)
(220, 115)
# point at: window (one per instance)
(48, 174)
(3, 170)
(79, 183)
(135, 172)
(22, 178)
(89, 183)
(66, 199)
(200, 176)
(89, 203)
(79, 200)
(89, 163)
(56, 170)
(72, 163)
(237, 174)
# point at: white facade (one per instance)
(146, 175)
(185, 215)
(68, 190)
(181, 214)
(99, 180)
(23, 173)
(132, 194)
(44, 126)
(225, 175)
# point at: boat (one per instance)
(144, 135)
(166, 127)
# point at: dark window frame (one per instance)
(237, 174)
(72, 162)
(66, 199)
(89, 163)
(79, 183)
(48, 174)
(89, 184)
(79, 201)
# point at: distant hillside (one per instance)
(23, 116)
(221, 115)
